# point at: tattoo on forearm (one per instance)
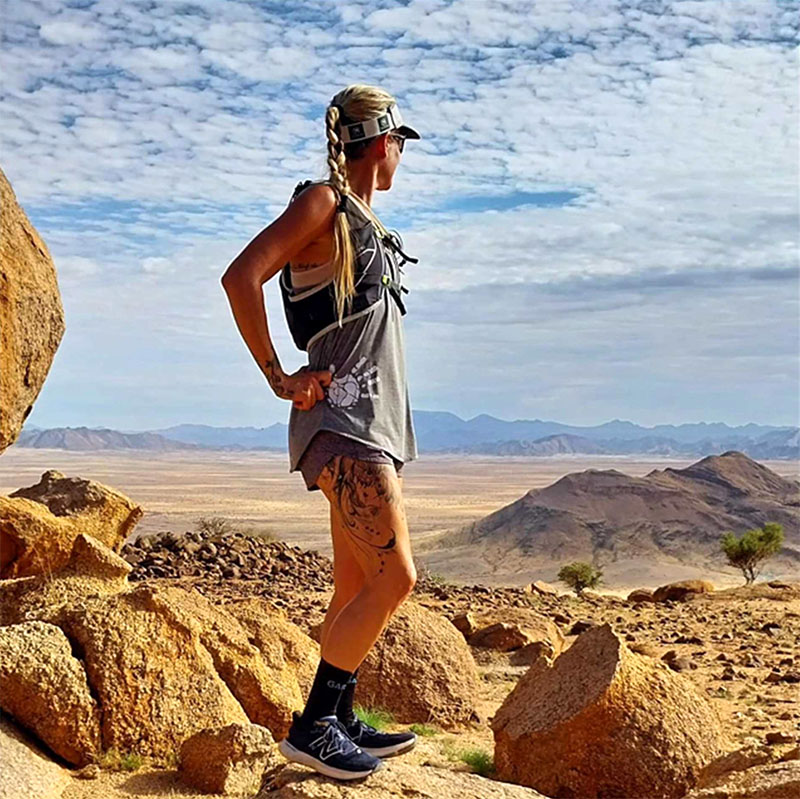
(275, 377)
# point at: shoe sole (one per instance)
(391, 751)
(299, 756)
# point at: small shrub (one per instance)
(214, 526)
(579, 576)
(113, 760)
(261, 533)
(749, 552)
(377, 717)
(479, 760)
(424, 730)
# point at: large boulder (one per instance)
(31, 314)
(39, 524)
(155, 681)
(420, 669)
(260, 677)
(682, 590)
(282, 644)
(26, 770)
(604, 721)
(43, 686)
(92, 570)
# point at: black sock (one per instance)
(324, 695)
(344, 710)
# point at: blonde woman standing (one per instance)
(350, 425)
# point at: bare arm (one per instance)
(306, 219)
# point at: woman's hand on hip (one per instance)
(304, 387)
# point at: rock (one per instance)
(26, 770)
(92, 570)
(268, 628)
(31, 315)
(228, 760)
(640, 595)
(773, 738)
(500, 636)
(739, 760)
(44, 688)
(155, 680)
(90, 772)
(541, 588)
(792, 754)
(581, 627)
(264, 683)
(39, 524)
(646, 649)
(540, 635)
(681, 664)
(604, 721)
(770, 781)
(420, 669)
(682, 590)
(397, 780)
(465, 623)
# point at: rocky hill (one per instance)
(484, 435)
(80, 439)
(633, 527)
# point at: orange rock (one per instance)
(684, 589)
(604, 721)
(44, 688)
(640, 595)
(229, 759)
(420, 669)
(31, 314)
(39, 524)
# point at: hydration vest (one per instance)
(311, 313)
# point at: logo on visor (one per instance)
(356, 131)
(383, 123)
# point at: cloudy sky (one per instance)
(604, 202)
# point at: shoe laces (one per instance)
(336, 735)
(361, 727)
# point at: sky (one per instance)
(604, 201)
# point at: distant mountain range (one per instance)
(664, 525)
(440, 431)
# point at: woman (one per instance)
(350, 427)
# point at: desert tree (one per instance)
(749, 552)
(580, 576)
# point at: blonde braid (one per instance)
(343, 267)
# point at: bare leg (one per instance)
(368, 498)
(348, 576)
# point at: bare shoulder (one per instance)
(318, 197)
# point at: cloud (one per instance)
(150, 142)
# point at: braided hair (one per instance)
(357, 102)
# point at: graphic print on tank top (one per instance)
(346, 390)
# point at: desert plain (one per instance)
(254, 489)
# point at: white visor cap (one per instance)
(389, 120)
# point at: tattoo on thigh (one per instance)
(361, 490)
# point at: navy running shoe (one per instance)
(325, 746)
(380, 744)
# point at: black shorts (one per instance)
(326, 444)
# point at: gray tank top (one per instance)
(368, 397)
